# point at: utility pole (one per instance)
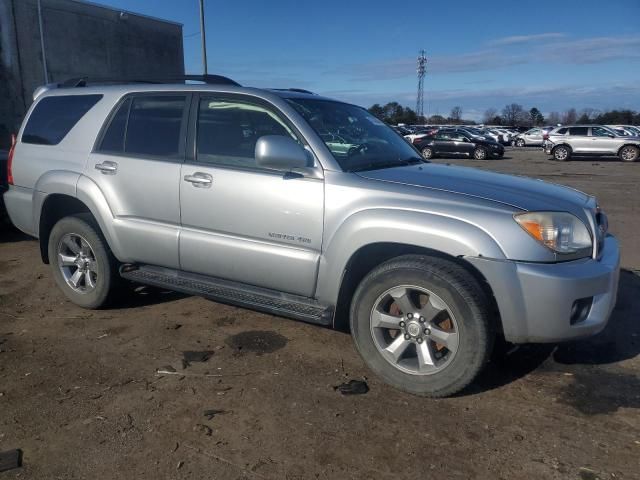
(44, 54)
(421, 70)
(203, 35)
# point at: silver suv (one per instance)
(563, 142)
(309, 208)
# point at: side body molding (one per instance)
(448, 235)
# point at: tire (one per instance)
(480, 153)
(427, 153)
(467, 314)
(98, 268)
(629, 153)
(520, 142)
(561, 153)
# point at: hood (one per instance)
(520, 192)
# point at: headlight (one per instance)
(559, 231)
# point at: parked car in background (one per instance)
(532, 137)
(457, 143)
(595, 140)
(625, 130)
(419, 134)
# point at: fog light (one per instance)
(580, 310)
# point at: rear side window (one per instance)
(579, 131)
(562, 131)
(146, 126)
(54, 117)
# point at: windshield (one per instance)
(358, 140)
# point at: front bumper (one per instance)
(535, 300)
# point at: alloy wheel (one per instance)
(77, 263)
(414, 330)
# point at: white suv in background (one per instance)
(563, 142)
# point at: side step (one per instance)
(225, 291)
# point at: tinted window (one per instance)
(154, 126)
(579, 131)
(562, 131)
(54, 117)
(113, 140)
(228, 131)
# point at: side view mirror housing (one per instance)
(281, 153)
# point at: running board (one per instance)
(225, 291)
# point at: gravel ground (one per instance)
(79, 392)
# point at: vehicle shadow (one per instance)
(136, 295)
(619, 341)
(10, 234)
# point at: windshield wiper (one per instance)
(389, 164)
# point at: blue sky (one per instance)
(553, 54)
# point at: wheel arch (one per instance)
(369, 256)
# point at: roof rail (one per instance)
(299, 90)
(208, 79)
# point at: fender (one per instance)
(54, 182)
(448, 235)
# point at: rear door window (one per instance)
(579, 131)
(54, 117)
(147, 125)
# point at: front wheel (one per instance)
(83, 266)
(422, 324)
(629, 153)
(520, 142)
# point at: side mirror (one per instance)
(280, 153)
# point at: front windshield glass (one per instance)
(358, 140)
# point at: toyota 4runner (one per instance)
(245, 196)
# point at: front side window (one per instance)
(562, 131)
(601, 132)
(54, 117)
(146, 126)
(228, 131)
(356, 139)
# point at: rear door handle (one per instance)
(199, 179)
(107, 167)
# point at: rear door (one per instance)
(241, 222)
(442, 143)
(136, 165)
(579, 139)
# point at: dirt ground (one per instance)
(79, 392)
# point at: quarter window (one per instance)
(600, 132)
(54, 117)
(228, 131)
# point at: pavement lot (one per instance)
(80, 395)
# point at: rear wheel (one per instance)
(561, 153)
(520, 142)
(629, 153)
(427, 153)
(480, 153)
(422, 324)
(83, 266)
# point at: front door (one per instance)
(603, 141)
(241, 222)
(136, 166)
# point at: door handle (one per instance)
(199, 180)
(107, 167)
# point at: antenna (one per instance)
(422, 70)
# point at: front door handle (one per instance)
(199, 180)
(107, 167)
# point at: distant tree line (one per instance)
(512, 114)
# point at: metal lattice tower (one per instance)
(422, 69)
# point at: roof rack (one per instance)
(299, 90)
(208, 79)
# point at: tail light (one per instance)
(545, 136)
(10, 159)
